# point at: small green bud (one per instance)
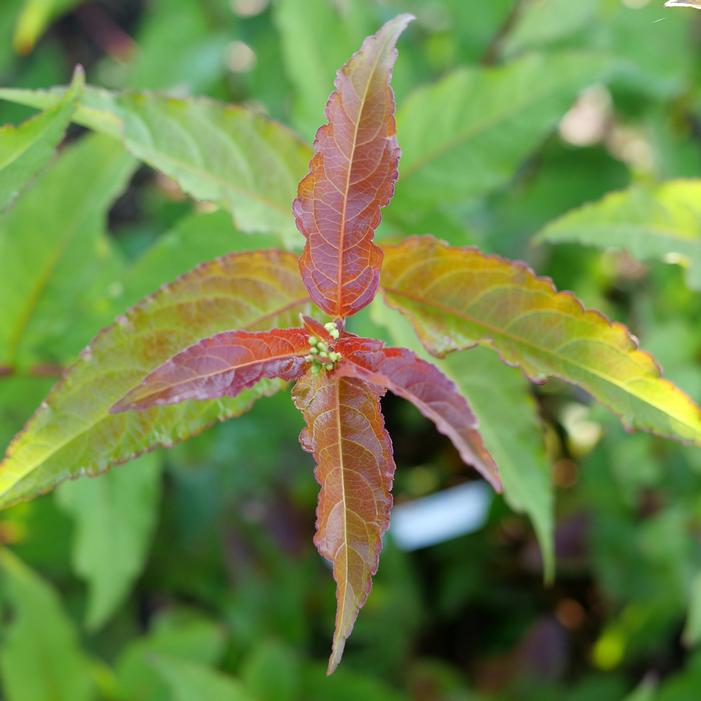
(334, 334)
(313, 340)
(329, 325)
(322, 346)
(328, 366)
(324, 354)
(316, 369)
(334, 356)
(314, 351)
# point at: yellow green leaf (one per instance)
(459, 297)
(660, 222)
(230, 155)
(73, 433)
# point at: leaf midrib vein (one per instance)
(230, 368)
(339, 431)
(340, 281)
(542, 351)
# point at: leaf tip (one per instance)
(78, 79)
(401, 21)
(337, 647)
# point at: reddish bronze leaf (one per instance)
(351, 178)
(353, 452)
(221, 366)
(427, 388)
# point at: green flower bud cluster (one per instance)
(332, 329)
(320, 356)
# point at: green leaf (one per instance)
(508, 422)
(196, 64)
(53, 250)
(114, 517)
(345, 685)
(692, 630)
(8, 14)
(35, 17)
(459, 297)
(19, 395)
(263, 686)
(193, 240)
(26, 149)
(645, 691)
(175, 634)
(317, 37)
(73, 433)
(653, 56)
(468, 133)
(188, 681)
(542, 22)
(512, 431)
(226, 154)
(683, 685)
(653, 222)
(40, 658)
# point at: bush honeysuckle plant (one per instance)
(239, 327)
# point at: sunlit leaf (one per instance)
(52, 248)
(226, 154)
(73, 432)
(351, 178)
(662, 222)
(508, 422)
(40, 658)
(27, 148)
(424, 385)
(114, 517)
(221, 366)
(468, 133)
(355, 468)
(458, 297)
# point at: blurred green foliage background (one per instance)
(190, 573)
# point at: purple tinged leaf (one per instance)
(427, 388)
(221, 366)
